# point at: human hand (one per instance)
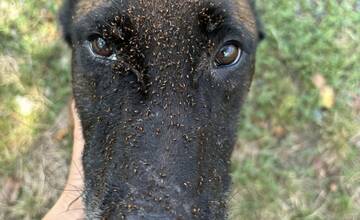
(70, 204)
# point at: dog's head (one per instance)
(158, 85)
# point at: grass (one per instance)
(34, 86)
(34, 74)
(298, 159)
(298, 151)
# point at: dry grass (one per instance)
(39, 175)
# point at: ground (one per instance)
(298, 151)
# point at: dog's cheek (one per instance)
(83, 92)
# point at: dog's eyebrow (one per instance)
(86, 7)
(96, 15)
(230, 28)
(244, 13)
(99, 18)
(219, 21)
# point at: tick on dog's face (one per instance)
(159, 85)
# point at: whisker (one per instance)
(72, 202)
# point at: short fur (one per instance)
(160, 122)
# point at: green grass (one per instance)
(34, 74)
(295, 159)
(310, 170)
(34, 86)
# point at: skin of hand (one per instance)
(70, 204)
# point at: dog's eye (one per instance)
(101, 47)
(228, 55)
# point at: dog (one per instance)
(159, 85)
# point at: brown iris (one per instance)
(227, 55)
(100, 47)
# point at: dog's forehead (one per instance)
(84, 7)
(181, 9)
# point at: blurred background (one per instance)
(298, 153)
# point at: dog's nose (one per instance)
(149, 217)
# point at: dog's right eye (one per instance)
(100, 47)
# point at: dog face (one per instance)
(159, 85)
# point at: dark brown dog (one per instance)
(159, 86)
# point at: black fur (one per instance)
(160, 121)
(65, 17)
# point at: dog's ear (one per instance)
(65, 17)
(259, 24)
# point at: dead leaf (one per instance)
(320, 167)
(61, 134)
(333, 187)
(319, 81)
(356, 104)
(327, 95)
(11, 190)
(279, 131)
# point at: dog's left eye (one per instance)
(100, 47)
(229, 54)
